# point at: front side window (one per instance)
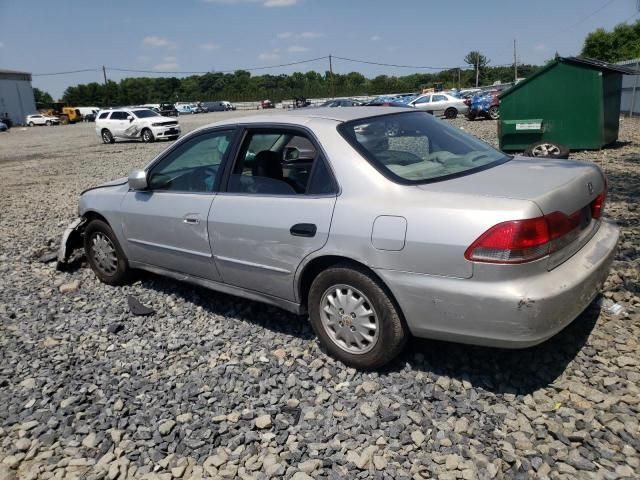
(414, 147)
(118, 116)
(104, 115)
(279, 162)
(426, 99)
(146, 113)
(193, 166)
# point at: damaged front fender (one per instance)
(71, 239)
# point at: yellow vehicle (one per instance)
(64, 113)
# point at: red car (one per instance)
(266, 104)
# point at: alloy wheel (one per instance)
(545, 149)
(349, 319)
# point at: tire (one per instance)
(377, 307)
(104, 254)
(147, 136)
(546, 149)
(450, 113)
(107, 137)
(64, 120)
(31, 124)
(48, 123)
(494, 112)
(471, 116)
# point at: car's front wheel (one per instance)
(104, 253)
(355, 318)
(147, 136)
(107, 137)
(31, 124)
(48, 123)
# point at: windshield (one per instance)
(414, 147)
(146, 113)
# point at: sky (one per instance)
(43, 36)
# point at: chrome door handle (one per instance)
(191, 220)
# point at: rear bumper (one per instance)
(505, 313)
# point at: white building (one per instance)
(16, 95)
(630, 98)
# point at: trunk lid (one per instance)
(553, 185)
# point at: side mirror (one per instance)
(130, 118)
(291, 154)
(138, 180)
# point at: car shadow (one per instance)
(217, 303)
(500, 370)
(496, 370)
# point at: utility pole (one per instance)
(477, 68)
(332, 86)
(515, 63)
(106, 88)
(459, 83)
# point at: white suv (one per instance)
(130, 123)
(39, 119)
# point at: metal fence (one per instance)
(630, 101)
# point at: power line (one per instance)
(394, 65)
(553, 35)
(64, 73)
(264, 67)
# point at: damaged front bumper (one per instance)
(71, 239)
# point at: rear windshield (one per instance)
(146, 113)
(415, 147)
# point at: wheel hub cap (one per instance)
(104, 254)
(349, 319)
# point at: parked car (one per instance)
(88, 113)
(441, 102)
(486, 105)
(39, 119)
(342, 102)
(229, 105)
(199, 108)
(3, 127)
(265, 104)
(168, 110)
(136, 123)
(429, 232)
(185, 108)
(378, 102)
(216, 106)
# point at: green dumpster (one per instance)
(573, 102)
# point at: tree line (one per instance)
(242, 86)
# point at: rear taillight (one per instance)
(516, 241)
(520, 241)
(597, 206)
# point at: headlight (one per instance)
(156, 124)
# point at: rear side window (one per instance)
(280, 162)
(119, 116)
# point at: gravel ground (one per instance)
(216, 387)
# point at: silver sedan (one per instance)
(379, 223)
(440, 103)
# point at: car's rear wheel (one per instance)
(494, 113)
(546, 149)
(104, 254)
(31, 124)
(450, 113)
(48, 123)
(147, 136)
(107, 137)
(355, 318)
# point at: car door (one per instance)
(423, 103)
(166, 224)
(439, 103)
(118, 123)
(276, 210)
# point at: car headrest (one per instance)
(267, 164)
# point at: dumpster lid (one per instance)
(583, 61)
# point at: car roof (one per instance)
(304, 115)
